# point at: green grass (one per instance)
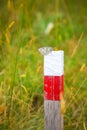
(22, 32)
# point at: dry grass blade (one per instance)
(77, 92)
(75, 49)
(84, 126)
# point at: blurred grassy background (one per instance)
(23, 26)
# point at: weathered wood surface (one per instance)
(53, 118)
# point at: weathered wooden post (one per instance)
(53, 88)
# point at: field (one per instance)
(24, 28)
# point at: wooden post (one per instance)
(53, 89)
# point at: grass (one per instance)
(22, 32)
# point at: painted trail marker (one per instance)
(53, 88)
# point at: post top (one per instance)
(55, 53)
(45, 51)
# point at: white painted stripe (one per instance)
(54, 63)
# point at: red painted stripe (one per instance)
(53, 87)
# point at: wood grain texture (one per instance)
(53, 118)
